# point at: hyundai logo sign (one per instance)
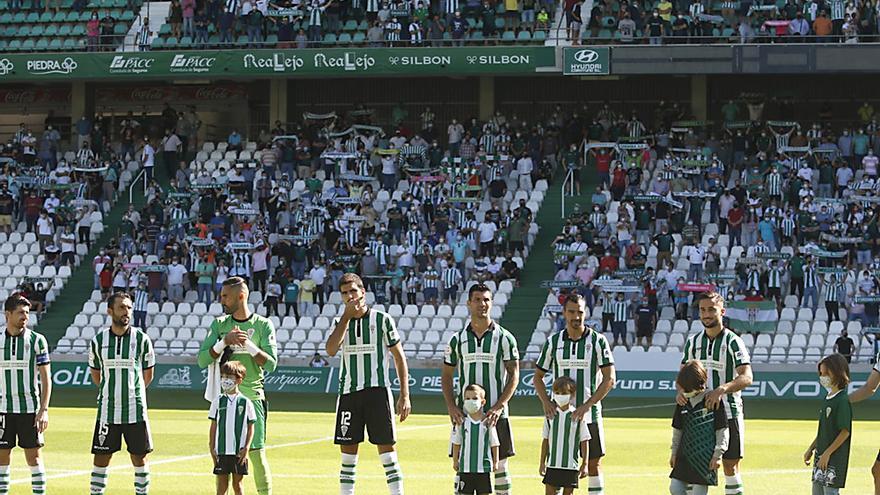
(586, 56)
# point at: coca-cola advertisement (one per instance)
(34, 96)
(158, 94)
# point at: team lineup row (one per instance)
(240, 348)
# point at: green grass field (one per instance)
(304, 461)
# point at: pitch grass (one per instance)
(305, 462)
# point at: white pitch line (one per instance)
(68, 474)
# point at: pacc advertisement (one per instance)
(630, 384)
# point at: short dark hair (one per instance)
(233, 368)
(473, 387)
(236, 282)
(838, 368)
(564, 384)
(111, 301)
(15, 301)
(692, 376)
(351, 278)
(575, 298)
(479, 287)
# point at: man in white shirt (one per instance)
(455, 131)
(695, 255)
(389, 172)
(45, 229)
(176, 272)
(318, 274)
(487, 231)
(51, 203)
(869, 162)
(525, 166)
(68, 247)
(148, 159)
(170, 147)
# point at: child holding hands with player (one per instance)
(699, 436)
(830, 449)
(232, 418)
(566, 442)
(474, 446)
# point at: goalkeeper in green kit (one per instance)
(249, 339)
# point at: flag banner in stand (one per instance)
(327, 62)
(752, 316)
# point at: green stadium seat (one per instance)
(165, 30)
(358, 37)
(158, 43)
(477, 36)
(242, 40)
(472, 23)
(69, 44)
(37, 30)
(24, 31)
(78, 30)
(499, 23)
(119, 4)
(350, 25)
(10, 32)
(447, 36)
(3, 45)
(480, 24)
(46, 17)
(605, 34)
(120, 29)
(105, 4)
(214, 40)
(84, 16)
(72, 16)
(609, 21)
(42, 45)
(508, 36)
(64, 30)
(127, 16)
(55, 44)
(524, 36)
(185, 42)
(32, 18)
(363, 26)
(272, 39)
(6, 18)
(14, 45)
(4, 5)
(540, 36)
(344, 38)
(171, 42)
(28, 45)
(330, 38)
(59, 16)
(19, 17)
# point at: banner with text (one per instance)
(254, 63)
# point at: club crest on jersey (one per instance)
(101, 439)
(241, 409)
(343, 429)
(827, 412)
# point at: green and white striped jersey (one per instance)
(122, 359)
(582, 360)
(20, 359)
(721, 357)
(476, 442)
(565, 436)
(481, 360)
(365, 352)
(233, 414)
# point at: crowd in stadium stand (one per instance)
(794, 204)
(798, 201)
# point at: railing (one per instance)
(134, 182)
(569, 181)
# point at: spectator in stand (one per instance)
(201, 23)
(205, 281)
(273, 296)
(254, 21)
(844, 346)
(176, 273)
(318, 361)
(226, 26)
(93, 32)
(822, 27)
(234, 141)
(140, 306)
(188, 8)
(175, 18)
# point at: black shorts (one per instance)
(371, 408)
(736, 444)
(505, 439)
(474, 483)
(597, 439)
(108, 438)
(20, 427)
(228, 464)
(561, 478)
(644, 331)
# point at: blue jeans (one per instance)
(206, 295)
(389, 182)
(678, 487)
(695, 272)
(299, 269)
(812, 294)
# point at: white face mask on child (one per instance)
(227, 384)
(825, 381)
(691, 395)
(562, 399)
(471, 406)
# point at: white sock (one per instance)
(38, 479)
(99, 480)
(4, 480)
(346, 474)
(596, 485)
(142, 479)
(733, 485)
(455, 486)
(393, 476)
(502, 479)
